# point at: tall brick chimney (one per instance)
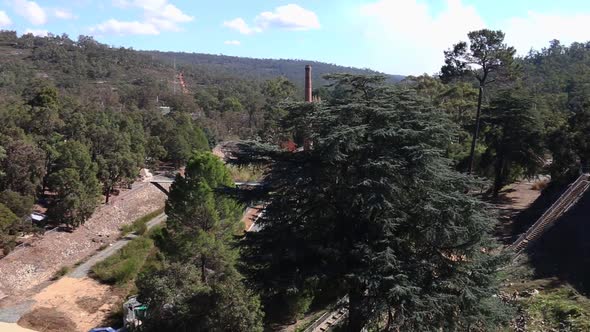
(308, 86)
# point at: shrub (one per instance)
(125, 264)
(61, 272)
(139, 226)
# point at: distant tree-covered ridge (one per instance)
(257, 69)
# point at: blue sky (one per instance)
(393, 36)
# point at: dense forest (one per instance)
(80, 118)
(383, 209)
(260, 69)
(376, 196)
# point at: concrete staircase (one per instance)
(571, 196)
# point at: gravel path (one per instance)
(25, 269)
(13, 314)
(83, 270)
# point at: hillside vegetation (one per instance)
(377, 194)
(262, 69)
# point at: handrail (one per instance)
(569, 198)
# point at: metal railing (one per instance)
(568, 199)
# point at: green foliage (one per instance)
(183, 138)
(61, 272)
(8, 222)
(256, 69)
(245, 173)
(375, 209)
(91, 100)
(178, 300)
(514, 137)
(486, 59)
(484, 56)
(125, 265)
(561, 309)
(20, 205)
(24, 167)
(75, 184)
(557, 77)
(199, 289)
(139, 226)
(276, 93)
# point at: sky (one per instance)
(404, 37)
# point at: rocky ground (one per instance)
(27, 269)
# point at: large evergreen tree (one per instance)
(75, 184)
(199, 288)
(514, 138)
(486, 59)
(375, 211)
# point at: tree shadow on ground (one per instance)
(563, 251)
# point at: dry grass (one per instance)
(246, 173)
(540, 185)
(47, 320)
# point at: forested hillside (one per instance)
(256, 69)
(80, 118)
(384, 207)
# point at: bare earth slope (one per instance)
(28, 267)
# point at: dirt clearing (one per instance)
(81, 304)
(47, 320)
(9, 327)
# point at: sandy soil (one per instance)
(7, 327)
(250, 216)
(31, 266)
(513, 200)
(85, 302)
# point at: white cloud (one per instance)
(291, 17)
(158, 16)
(405, 37)
(37, 32)
(232, 42)
(4, 19)
(63, 14)
(31, 11)
(536, 30)
(241, 26)
(116, 27)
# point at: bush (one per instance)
(246, 173)
(139, 226)
(562, 309)
(61, 272)
(125, 265)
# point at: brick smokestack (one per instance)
(308, 86)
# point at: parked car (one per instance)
(103, 329)
(38, 218)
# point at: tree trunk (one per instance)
(108, 194)
(203, 270)
(357, 315)
(476, 131)
(499, 175)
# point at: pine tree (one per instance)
(514, 137)
(200, 288)
(374, 210)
